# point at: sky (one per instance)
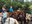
(27, 0)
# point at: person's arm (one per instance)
(1, 14)
(16, 22)
(7, 14)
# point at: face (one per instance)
(10, 6)
(3, 9)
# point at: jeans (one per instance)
(3, 20)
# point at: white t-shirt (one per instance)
(4, 14)
(12, 21)
(9, 21)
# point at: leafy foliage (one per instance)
(23, 6)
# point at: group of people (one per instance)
(13, 16)
(5, 16)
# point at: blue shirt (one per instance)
(10, 10)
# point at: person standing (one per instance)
(4, 12)
(11, 9)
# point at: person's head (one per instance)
(10, 6)
(4, 8)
